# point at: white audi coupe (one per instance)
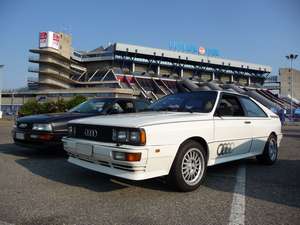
(179, 136)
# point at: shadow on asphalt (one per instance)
(15, 150)
(278, 183)
(54, 166)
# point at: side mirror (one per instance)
(217, 113)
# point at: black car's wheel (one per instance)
(270, 152)
(189, 167)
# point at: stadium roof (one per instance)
(188, 57)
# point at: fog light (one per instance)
(119, 156)
(126, 156)
(34, 136)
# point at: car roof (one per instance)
(222, 91)
(234, 93)
(118, 98)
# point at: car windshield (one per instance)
(90, 106)
(202, 101)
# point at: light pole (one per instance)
(1, 66)
(291, 57)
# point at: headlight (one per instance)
(129, 136)
(42, 127)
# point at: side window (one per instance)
(230, 106)
(252, 109)
(140, 106)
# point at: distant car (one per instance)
(179, 136)
(297, 114)
(47, 130)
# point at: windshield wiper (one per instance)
(168, 109)
(190, 110)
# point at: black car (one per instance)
(46, 130)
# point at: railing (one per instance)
(34, 58)
(33, 69)
(49, 60)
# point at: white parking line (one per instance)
(237, 212)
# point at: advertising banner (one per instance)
(49, 40)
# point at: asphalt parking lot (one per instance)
(43, 188)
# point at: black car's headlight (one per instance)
(42, 127)
(129, 136)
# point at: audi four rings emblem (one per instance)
(90, 133)
(225, 148)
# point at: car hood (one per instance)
(52, 117)
(144, 119)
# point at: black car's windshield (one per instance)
(202, 101)
(91, 106)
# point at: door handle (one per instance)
(247, 122)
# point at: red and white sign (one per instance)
(49, 40)
(43, 39)
(202, 51)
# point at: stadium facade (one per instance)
(124, 70)
(59, 66)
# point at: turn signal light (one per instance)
(126, 156)
(142, 137)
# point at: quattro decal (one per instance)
(225, 148)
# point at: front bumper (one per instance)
(29, 142)
(98, 156)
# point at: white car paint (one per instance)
(166, 131)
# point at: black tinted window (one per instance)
(202, 102)
(91, 106)
(123, 106)
(252, 109)
(230, 106)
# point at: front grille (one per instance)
(89, 159)
(92, 132)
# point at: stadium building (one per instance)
(122, 65)
(287, 78)
(124, 70)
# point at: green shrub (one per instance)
(34, 107)
(30, 107)
(75, 101)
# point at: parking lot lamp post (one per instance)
(291, 57)
(1, 66)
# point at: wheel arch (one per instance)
(273, 133)
(201, 141)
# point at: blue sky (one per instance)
(258, 31)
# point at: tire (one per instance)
(189, 167)
(270, 153)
